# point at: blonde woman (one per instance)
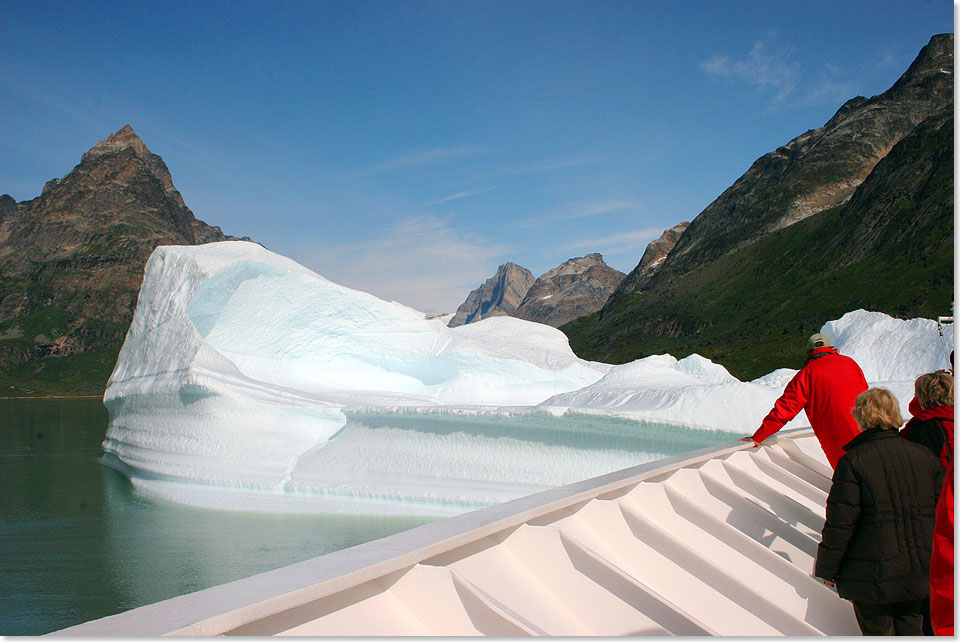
(932, 424)
(878, 534)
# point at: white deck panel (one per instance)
(637, 550)
(709, 549)
(721, 541)
(755, 522)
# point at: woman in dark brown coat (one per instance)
(880, 514)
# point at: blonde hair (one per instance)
(877, 408)
(934, 389)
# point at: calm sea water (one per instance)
(77, 544)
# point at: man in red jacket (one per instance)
(826, 388)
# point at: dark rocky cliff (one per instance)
(856, 214)
(500, 295)
(817, 170)
(577, 287)
(71, 264)
(654, 257)
(571, 290)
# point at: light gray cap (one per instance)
(818, 341)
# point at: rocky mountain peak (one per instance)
(857, 214)
(574, 266)
(935, 58)
(656, 253)
(117, 153)
(72, 258)
(500, 295)
(8, 206)
(126, 138)
(816, 171)
(575, 288)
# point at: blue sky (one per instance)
(409, 148)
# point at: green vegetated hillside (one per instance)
(39, 345)
(889, 248)
(71, 264)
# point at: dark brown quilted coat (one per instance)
(880, 514)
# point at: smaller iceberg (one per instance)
(247, 381)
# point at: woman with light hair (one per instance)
(878, 534)
(932, 424)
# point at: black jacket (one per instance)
(878, 535)
(926, 433)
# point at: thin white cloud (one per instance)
(48, 99)
(888, 62)
(770, 70)
(209, 153)
(574, 211)
(635, 239)
(419, 159)
(833, 69)
(547, 165)
(776, 73)
(459, 195)
(420, 262)
(830, 91)
(593, 209)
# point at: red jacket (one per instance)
(941, 561)
(932, 427)
(826, 388)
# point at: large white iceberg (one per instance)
(248, 381)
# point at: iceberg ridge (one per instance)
(248, 381)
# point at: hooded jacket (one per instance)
(932, 427)
(826, 388)
(878, 535)
(941, 562)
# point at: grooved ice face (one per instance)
(247, 381)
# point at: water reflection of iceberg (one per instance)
(440, 463)
(158, 550)
(719, 541)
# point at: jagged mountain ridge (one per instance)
(655, 255)
(576, 287)
(71, 261)
(887, 246)
(815, 171)
(500, 295)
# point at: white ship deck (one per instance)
(721, 541)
